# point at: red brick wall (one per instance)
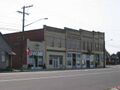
(19, 46)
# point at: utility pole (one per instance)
(104, 51)
(23, 26)
(24, 13)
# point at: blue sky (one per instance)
(97, 15)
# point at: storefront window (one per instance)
(55, 60)
(69, 59)
(69, 55)
(61, 60)
(78, 59)
(69, 63)
(50, 62)
(78, 55)
(40, 61)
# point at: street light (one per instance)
(104, 49)
(35, 21)
(23, 26)
(105, 54)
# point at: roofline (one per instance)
(12, 53)
(24, 31)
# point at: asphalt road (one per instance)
(87, 79)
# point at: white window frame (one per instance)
(78, 59)
(69, 59)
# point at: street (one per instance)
(86, 79)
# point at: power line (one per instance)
(2, 22)
(9, 25)
(9, 29)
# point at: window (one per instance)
(91, 46)
(69, 59)
(50, 41)
(83, 45)
(62, 43)
(88, 45)
(68, 44)
(73, 44)
(61, 60)
(69, 55)
(69, 62)
(3, 56)
(50, 62)
(40, 60)
(56, 42)
(101, 47)
(54, 58)
(78, 55)
(78, 59)
(78, 45)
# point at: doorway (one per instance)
(88, 64)
(56, 63)
(74, 60)
(36, 61)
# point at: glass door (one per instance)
(56, 63)
(69, 60)
(78, 60)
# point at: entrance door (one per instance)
(36, 61)
(56, 63)
(74, 60)
(88, 64)
(78, 60)
(88, 61)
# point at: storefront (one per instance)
(35, 60)
(55, 60)
(73, 60)
(99, 60)
(35, 55)
(88, 61)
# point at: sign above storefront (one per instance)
(37, 53)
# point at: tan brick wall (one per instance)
(55, 53)
(55, 39)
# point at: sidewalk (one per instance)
(112, 66)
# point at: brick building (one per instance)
(58, 48)
(19, 45)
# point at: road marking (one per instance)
(54, 77)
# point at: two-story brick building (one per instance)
(5, 53)
(58, 48)
(20, 46)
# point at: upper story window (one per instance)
(50, 41)
(84, 45)
(62, 43)
(3, 56)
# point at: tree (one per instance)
(118, 54)
(114, 59)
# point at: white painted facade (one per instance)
(36, 54)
